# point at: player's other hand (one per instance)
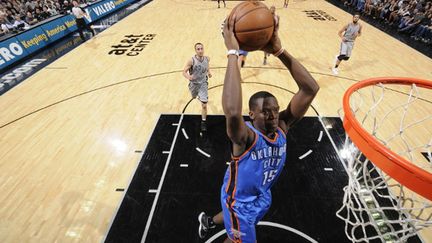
(231, 42)
(274, 45)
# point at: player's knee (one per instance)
(341, 57)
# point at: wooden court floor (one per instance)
(68, 134)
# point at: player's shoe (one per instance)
(204, 225)
(335, 71)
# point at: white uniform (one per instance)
(198, 86)
(350, 34)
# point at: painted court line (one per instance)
(328, 169)
(273, 225)
(185, 134)
(184, 165)
(333, 144)
(320, 136)
(150, 217)
(137, 163)
(202, 152)
(306, 154)
(153, 191)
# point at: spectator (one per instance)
(67, 8)
(30, 19)
(369, 4)
(44, 13)
(58, 7)
(421, 32)
(413, 22)
(33, 5)
(52, 9)
(9, 16)
(6, 25)
(385, 10)
(397, 15)
(19, 24)
(37, 14)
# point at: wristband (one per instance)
(278, 53)
(232, 52)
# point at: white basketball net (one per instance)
(375, 206)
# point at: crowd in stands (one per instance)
(410, 17)
(18, 15)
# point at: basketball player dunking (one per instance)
(350, 32)
(197, 71)
(259, 147)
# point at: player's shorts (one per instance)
(242, 53)
(346, 48)
(199, 90)
(241, 219)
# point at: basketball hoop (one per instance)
(389, 193)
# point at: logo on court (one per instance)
(319, 15)
(132, 45)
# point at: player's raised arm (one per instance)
(232, 95)
(301, 101)
(308, 87)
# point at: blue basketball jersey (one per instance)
(253, 173)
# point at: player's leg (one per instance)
(79, 23)
(240, 223)
(207, 222)
(340, 57)
(81, 34)
(203, 116)
(203, 97)
(350, 46)
(193, 89)
(88, 28)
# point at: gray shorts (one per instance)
(199, 90)
(346, 48)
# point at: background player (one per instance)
(350, 32)
(197, 71)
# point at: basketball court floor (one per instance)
(104, 146)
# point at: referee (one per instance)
(80, 21)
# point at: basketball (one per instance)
(253, 25)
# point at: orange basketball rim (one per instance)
(403, 171)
